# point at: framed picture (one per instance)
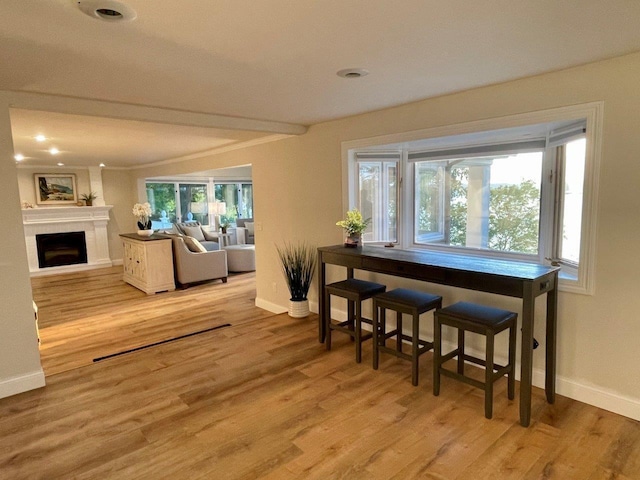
(56, 189)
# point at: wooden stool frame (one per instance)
(380, 335)
(353, 325)
(491, 374)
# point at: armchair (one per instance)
(245, 231)
(193, 267)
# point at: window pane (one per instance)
(162, 198)
(378, 199)
(572, 200)
(193, 203)
(482, 202)
(429, 185)
(247, 200)
(227, 193)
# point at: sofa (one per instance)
(245, 230)
(197, 266)
(209, 240)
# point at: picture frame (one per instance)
(56, 189)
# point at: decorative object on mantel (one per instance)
(354, 225)
(55, 189)
(298, 265)
(28, 205)
(143, 212)
(89, 198)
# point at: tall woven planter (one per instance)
(299, 308)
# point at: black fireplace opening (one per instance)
(57, 249)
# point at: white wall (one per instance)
(20, 368)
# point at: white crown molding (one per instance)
(215, 151)
(127, 111)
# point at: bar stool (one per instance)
(413, 303)
(355, 291)
(486, 321)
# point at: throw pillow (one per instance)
(210, 236)
(195, 232)
(249, 227)
(194, 245)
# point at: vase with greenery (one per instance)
(298, 265)
(89, 198)
(354, 225)
(142, 211)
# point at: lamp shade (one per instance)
(198, 207)
(217, 208)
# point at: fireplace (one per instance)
(57, 249)
(90, 221)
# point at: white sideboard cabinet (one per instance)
(148, 262)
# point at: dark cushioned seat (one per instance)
(411, 302)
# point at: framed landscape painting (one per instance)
(55, 189)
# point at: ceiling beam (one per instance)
(126, 111)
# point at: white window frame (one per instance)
(384, 158)
(592, 113)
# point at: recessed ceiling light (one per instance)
(54, 151)
(60, 164)
(107, 10)
(19, 157)
(352, 72)
(102, 165)
(40, 138)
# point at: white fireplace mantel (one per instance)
(90, 220)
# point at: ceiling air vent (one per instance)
(107, 10)
(352, 73)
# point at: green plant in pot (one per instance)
(89, 198)
(298, 265)
(354, 225)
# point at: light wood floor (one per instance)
(263, 399)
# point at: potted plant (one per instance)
(298, 265)
(143, 213)
(355, 226)
(89, 198)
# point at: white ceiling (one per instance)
(276, 60)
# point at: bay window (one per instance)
(521, 193)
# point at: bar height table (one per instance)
(514, 279)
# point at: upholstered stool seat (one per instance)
(413, 303)
(487, 321)
(355, 291)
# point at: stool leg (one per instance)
(437, 346)
(327, 320)
(488, 383)
(358, 333)
(376, 327)
(460, 351)
(399, 332)
(511, 376)
(414, 349)
(351, 316)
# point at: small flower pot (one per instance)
(353, 241)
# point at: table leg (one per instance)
(321, 303)
(526, 360)
(551, 343)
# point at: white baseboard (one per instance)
(592, 395)
(119, 261)
(270, 306)
(23, 383)
(71, 268)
